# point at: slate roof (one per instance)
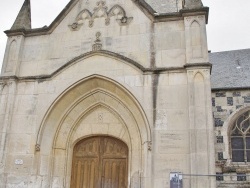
(163, 6)
(170, 6)
(231, 69)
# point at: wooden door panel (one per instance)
(114, 173)
(87, 148)
(114, 148)
(99, 162)
(85, 173)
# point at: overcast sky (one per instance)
(228, 27)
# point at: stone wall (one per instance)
(228, 105)
(107, 69)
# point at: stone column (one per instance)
(202, 163)
(2, 110)
(7, 100)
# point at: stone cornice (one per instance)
(181, 14)
(141, 4)
(230, 88)
(191, 65)
(153, 70)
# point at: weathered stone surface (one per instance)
(116, 73)
(23, 20)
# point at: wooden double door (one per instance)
(100, 162)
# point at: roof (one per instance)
(169, 6)
(163, 6)
(231, 69)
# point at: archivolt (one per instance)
(229, 123)
(86, 104)
(63, 107)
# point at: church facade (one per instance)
(112, 94)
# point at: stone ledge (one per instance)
(153, 70)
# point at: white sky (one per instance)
(228, 27)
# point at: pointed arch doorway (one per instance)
(100, 162)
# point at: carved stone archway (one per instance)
(66, 122)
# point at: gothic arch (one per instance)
(63, 124)
(12, 56)
(230, 120)
(199, 77)
(199, 90)
(227, 127)
(195, 21)
(196, 42)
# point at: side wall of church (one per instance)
(226, 105)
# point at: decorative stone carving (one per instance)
(9, 83)
(191, 73)
(149, 145)
(101, 11)
(188, 20)
(100, 117)
(202, 19)
(37, 147)
(2, 86)
(98, 45)
(206, 73)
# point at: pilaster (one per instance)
(196, 39)
(13, 56)
(7, 98)
(202, 160)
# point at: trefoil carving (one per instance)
(101, 11)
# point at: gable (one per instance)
(76, 6)
(128, 28)
(155, 10)
(88, 27)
